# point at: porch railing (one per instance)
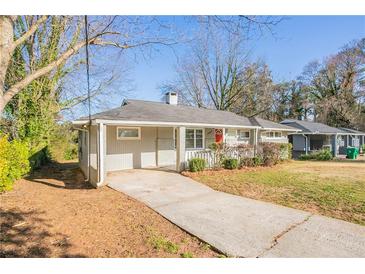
(207, 154)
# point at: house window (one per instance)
(128, 133)
(273, 134)
(242, 135)
(193, 138)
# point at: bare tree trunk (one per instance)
(6, 42)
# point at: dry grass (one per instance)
(335, 189)
(55, 214)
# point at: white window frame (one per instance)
(274, 133)
(129, 138)
(244, 138)
(203, 138)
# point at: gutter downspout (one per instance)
(306, 143)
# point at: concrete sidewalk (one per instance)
(239, 226)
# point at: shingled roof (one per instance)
(147, 111)
(266, 124)
(158, 112)
(312, 127)
(353, 131)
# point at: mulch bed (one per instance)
(54, 213)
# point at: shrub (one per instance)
(305, 157)
(230, 163)
(286, 151)
(246, 162)
(196, 164)
(321, 155)
(245, 150)
(70, 153)
(257, 161)
(251, 162)
(39, 158)
(270, 153)
(13, 162)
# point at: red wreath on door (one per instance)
(218, 135)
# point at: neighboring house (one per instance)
(142, 134)
(315, 136)
(354, 138)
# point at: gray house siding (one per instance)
(299, 143)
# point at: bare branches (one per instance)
(28, 33)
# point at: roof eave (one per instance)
(281, 129)
(157, 123)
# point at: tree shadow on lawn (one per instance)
(26, 234)
(60, 175)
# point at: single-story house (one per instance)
(354, 138)
(315, 136)
(143, 134)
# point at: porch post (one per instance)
(180, 149)
(101, 153)
(334, 145)
(255, 140)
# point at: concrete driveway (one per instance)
(238, 226)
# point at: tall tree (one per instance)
(215, 73)
(337, 87)
(103, 32)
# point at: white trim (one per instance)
(167, 124)
(203, 138)
(274, 133)
(244, 138)
(312, 133)
(129, 138)
(101, 155)
(280, 129)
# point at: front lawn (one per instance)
(334, 189)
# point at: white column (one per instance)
(180, 149)
(101, 153)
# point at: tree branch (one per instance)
(29, 33)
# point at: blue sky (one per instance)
(298, 40)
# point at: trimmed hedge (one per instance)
(230, 163)
(196, 164)
(14, 163)
(321, 155)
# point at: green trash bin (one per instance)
(351, 153)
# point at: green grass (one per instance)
(186, 255)
(159, 242)
(328, 188)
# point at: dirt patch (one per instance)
(54, 213)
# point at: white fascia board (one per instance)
(281, 129)
(319, 133)
(83, 122)
(168, 124)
